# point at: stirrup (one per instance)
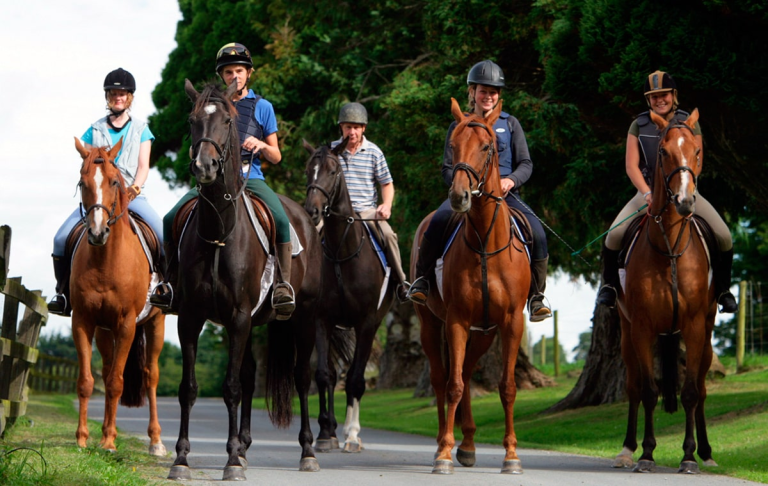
(162, 296)
(537, 310)
(59, 306)
(417, 294)
(401, 292)
(727, 302)
(607, 296)
(283, 308)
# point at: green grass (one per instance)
(40, 449)
(736, 410)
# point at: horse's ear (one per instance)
(307, 146)
(80, 149)
(340, 147)
(660, 122)
(494, 114)
(693, 118)
(231, 90)
(116, 149)
(191, 91)
(456, 110)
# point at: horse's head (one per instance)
(213, 131)
(678, 162)
(102, 190)
(474, 146)
(324, 176)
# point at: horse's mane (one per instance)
(211, 92)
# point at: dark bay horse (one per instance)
(109, 283)
(484, 290)
(226, 277)
(668, 296)
(357, 293)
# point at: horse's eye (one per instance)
(486, 147)
(663, 152)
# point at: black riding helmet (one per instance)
(487, 73)
(233, 53)
(120, 79)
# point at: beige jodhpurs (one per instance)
(390, 237)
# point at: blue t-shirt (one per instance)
(116, 136)
(264, 114)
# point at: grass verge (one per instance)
(40, 450)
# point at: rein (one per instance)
(672, 251)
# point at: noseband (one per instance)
(470, 170)
(110, 211)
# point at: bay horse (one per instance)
(668, 296)
(108, 287)
(484, 291)
(357, 292)
(222, 279)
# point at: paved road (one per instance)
(389, 458)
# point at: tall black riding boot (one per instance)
(283, 297)
(722, 280)
(537, 310)
(60, 304)
(425, 267)
(163, 295)
(609, 290)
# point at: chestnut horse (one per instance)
(668, 295)
(484, 290)
(225, 277)
(109, 284)
(356, 294)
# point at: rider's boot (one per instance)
(537, 310)
(722, 279)
(425, 267)
(283, 297)
(60, 304)
(163, 295)
(608, 292)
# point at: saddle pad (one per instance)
(377, 247)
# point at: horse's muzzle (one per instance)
(685, 206)
(98, 238)
(461, 200)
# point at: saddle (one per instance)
(147, 237)
(518, 219)
(636, 227)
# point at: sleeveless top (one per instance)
(649, 141)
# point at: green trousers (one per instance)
(256, 186)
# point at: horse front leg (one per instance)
(691, 397)
(305, 344)
(248, 383)
(325, 383)
(478, 346)
(82, 334)
(649, 395)
(511, 335)
(155, 335)
(113, 383)
(355, 384)
(238, 332)
(189, 327)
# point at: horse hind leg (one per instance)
(325, 377)
(248, 383)
(431, 340)
(305, 344)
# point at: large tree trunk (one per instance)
(604, 376)
(402, 362)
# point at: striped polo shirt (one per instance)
(362, 171)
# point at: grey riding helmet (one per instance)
(353, 113)
(487, 73)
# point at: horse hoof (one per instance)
(335, 443)
(689, 467)
(180, 473)
(233, 473)
(623, 461)
(158, 450)
(243, 462)
(465, 458)
(443, 466)
(513, 466)
(325, 445)
(710, 462)
(645, 466)
(353, 447)
(309, 464)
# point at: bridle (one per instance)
(683, 168)
(112, 219)
(329, 196)
(486, 165)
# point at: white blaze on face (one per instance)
(317, 170)
(98, 213)
(210, 109)
(685, 176)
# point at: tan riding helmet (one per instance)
(660, 82)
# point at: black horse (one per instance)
(222, 279)
(356, 292)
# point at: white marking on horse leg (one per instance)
(98, 213)
(352, 422)
(210, 109)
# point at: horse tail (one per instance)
(134, 388)
(281, 360)
(342, 346)
(669, 347)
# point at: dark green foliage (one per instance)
(582, 349)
